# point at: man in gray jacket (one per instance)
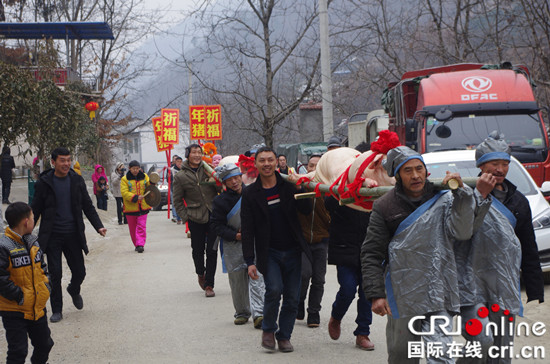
(407, 258)
(193, 202)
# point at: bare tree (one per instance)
(264, 71)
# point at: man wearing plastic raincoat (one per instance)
(489, 267)
(247, 294)
(414, 227)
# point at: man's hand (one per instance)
(253, 272)
(238, 237)
(102, 231)
(293, 177)
(380, 306)
(485, 184)
(140, 197)
(456, 176)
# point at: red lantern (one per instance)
(92, 107)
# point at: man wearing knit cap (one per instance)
(247, 294)
(196, 212)
(407, 258)
(494, 261)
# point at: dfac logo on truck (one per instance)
(479, 85)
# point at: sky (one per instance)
(171, 9)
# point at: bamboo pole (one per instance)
(211, 172)
(374, 192)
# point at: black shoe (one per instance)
(313, 320)
(56, 317)
(120, 222)
(140, 249)
(301, 311)
(77, 300)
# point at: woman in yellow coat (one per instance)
(132, 188)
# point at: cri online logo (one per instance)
(476, 84)
(474, 326)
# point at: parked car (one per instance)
(463, 162)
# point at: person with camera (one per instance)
(116, 176)
(100, 186)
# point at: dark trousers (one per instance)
(351, 282)
(314, 271)
(203, 240)
(282, 278)
(101, 201)
(6, 188)
(70, 247)
(120, 215)
(18, 332)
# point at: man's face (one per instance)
(413, 177)
(195, 157)
(312, 164)
(134, 170)
(498, 168)
(282, 162)
(62, 165)
(266, 163)
(179, 162)
(235, 183)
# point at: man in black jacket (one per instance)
(60, 197)
(272, 235)
(6, 173)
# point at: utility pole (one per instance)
(190, 83)
(326, 79)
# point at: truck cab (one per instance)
(456, 107)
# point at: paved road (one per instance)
(148, 308)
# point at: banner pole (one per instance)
(169, 174)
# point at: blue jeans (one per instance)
(282, 277)
(315, 272)
(174, 213)
(101, 201)
(349, 280)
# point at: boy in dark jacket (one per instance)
(24, 288)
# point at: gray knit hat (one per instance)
(334, 141)
(227, 171)
(494, 147)
(397, 157)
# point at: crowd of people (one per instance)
(420, 252)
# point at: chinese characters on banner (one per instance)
(158, 129)
(205, 122)
(170, 126)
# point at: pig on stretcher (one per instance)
(342, 165)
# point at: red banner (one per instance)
(170, 126)
(197, 121)
(158, 129)
(213, 122)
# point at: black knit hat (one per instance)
(134, 163)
